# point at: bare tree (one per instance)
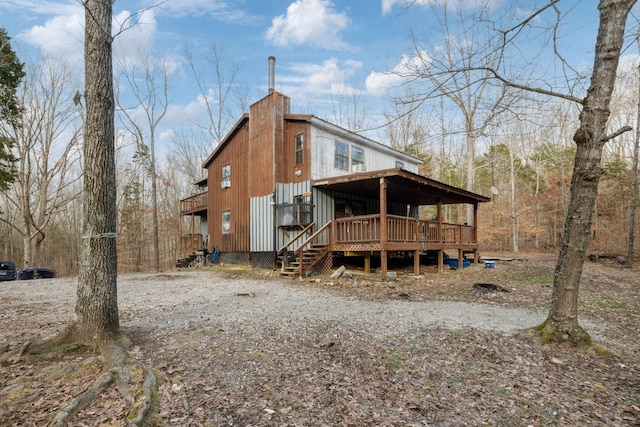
(408, 131)
(590, 138)
(455, 70)
(47, 144)
(634, 184)
(189, 149)
(150, 90)
(215, 94)
(97, 320)
(349, 108)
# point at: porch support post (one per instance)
(180, 235)
(416, 262)
(439, 236)
(460, 259)
(367, 263)
(475, 233)
(439, 219)
(383, 228)
(193, 230)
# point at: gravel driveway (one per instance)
(174, 299)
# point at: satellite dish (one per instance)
(494, 191)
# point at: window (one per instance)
(357, 159)
(226, 176)
(299, 149)
(342, 156)
(226, 222)
(399, 164)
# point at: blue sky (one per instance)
(323, 47)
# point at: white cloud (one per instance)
(313, 22)
(40, 7)
(133, 43)
(329, 78)
(61, 35)
(387, 5)
(218, 9)
(407, 68)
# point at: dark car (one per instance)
(7, 270)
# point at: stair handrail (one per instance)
(284, 250)
(300, 251)
(295, 239)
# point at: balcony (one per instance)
(295, 214)
(194, 205)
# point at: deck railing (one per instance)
(357, 229)
(366, 229)
(191, 243)
(193, 203)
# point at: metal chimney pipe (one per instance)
(272, 72)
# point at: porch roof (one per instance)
(402, 186)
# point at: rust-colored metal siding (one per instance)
(233, 198)
(288, 172)
(266, 131)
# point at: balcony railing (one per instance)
(193, 204)
(295, 214)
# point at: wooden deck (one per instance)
(368, 235)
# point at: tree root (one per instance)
(78, 403)
(118, 374)
(148, 390)
(552, 332)
(13, 356)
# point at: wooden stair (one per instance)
(309, 258)
(185, 262)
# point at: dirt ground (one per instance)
(239, 347)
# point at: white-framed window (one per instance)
(226, 176)
(342, 156)
(299, 147)
(226, 222)
(357, 159)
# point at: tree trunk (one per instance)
(97, 305)
(512, 201)
(634, 185)
(470, 160)
(590, 138)
(27, 250)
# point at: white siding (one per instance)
(262, 219)
(261, 224)
(376, 156)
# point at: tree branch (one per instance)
(539, 90)
(617, 133)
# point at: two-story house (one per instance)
(298, 188)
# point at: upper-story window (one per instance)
(357, 159)
(342, 156)
(299, 144)
(399, 164)
(226, 176)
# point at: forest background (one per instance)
(469, 129)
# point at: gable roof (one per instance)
(319, 123)
(402, 187)
(236, 127)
